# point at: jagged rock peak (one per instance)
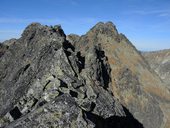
(36, 29)
(105, 28)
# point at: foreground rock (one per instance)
(96, 80)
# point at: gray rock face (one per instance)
(48, 79)
(73, 38)
(62, 112)
(44, 82)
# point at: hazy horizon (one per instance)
(144, 22)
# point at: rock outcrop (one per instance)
(98, 80)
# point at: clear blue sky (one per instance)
(145, 22)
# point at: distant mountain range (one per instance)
(97, 80)
(159, 61)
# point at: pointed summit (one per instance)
(107, 28)
(102, 33)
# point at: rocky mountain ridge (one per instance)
(48, 79)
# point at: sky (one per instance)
(146, 23)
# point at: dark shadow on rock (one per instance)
(114, 121)
(105, 68)
(73, 94)
(81, 61)
(63, 84)
(67, 45)
(15, 113)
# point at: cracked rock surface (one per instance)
(48, 79)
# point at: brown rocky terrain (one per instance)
(159, 61)
(97, 80)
